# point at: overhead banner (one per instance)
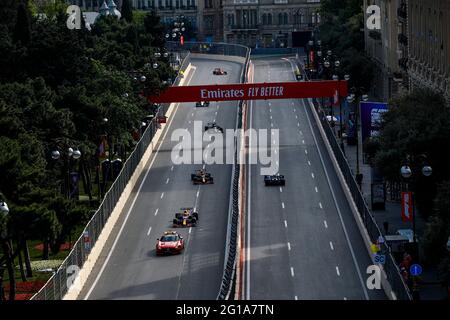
(252, 91)
(407, 206)
(371, 118)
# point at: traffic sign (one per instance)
(379, 258)
(415, 270)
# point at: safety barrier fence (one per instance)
(390, 267)
(229, 273)
(57, 286)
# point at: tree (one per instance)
(22, 29)
(126, 11)
(416, 126)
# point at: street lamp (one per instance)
(71, 153)
(4, 207)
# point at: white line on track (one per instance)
(301, 132)
(273, 133)
(204, 166)
(345, 298)
(116, 240)
(298, 125)
(190, 229)
(275, 151)
(296, 298)
(331, 245)
(281, 190)
(271, 125)
(190, 121)
(271, 118)
(295, 110)
(325, 224)
(282, 205)
(274, 142)
(285, 223)
(309, 163)
(171, 168)
(320, 205)
(149, 230)
(312, 175)
(292, 272)
(192, 114)
(270, 109)
(162, 195)
(306, 151)
(156, 211)
(296, 117)
(167, 181)
(315, 188)
(289, 246)
(337, 271)
(303, 141)
(198, 193)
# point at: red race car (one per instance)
(170, 243)
(219, 71)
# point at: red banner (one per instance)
(311, 58)
(407, 206)
(252, 91)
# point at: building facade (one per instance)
(268, 23)
(388, 48)
(429, 45)
(262, 23)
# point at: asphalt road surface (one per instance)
(132, 270)
(302, 241)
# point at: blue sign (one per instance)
(379, 258)
(371, 116)
(415, 270)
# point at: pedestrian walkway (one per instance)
(430, 288)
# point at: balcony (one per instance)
(240, 27)
(403, 39)
(402, 13)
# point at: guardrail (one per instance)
(57, 286)
(219, 48)
(391, 269)
(229, 273)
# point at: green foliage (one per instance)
(417, 125)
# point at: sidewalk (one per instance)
(430, 289)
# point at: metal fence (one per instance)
(394, 277)
(58, 285)
(218, 48)
(229, 273)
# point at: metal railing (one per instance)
(393, 274)
(58, 285)
(211, 48)
(229, 273)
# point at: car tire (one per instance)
(195, 215)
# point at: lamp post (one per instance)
(356, 96)
(71, 154)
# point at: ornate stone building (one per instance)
(429, 44)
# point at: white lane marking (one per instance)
(271, 125)
(198, 192)
(282, 205)
(298, 124)
(312, 175)
(285, 223)
(162, 195)
(167, 181)
(156, 211)
(301, 132)
(303, 141)
(292, 272)
(215, 113)
(362, 282)
(306, 151)
(325, 224)
(275, 151)
(171, 168)
(149, 230)
(296, 117)
(295, 110)
(320, 205)
(190, 121)
(190, 229)
(337, 271)
(289, 246)
(345, 298)
(309, 162)
(296, 298)
(331, 245)
(192, 114)
(273, 133)
(315, 188)
(270, 102)
(274, 142)
(281, 190)
(270, 109)
(116, 240)
(271, 118)
(204, 166)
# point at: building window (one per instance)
(269, 19)
(208, 4)
(280, 18)
(264, 19)
(208, 22)
(285, 18)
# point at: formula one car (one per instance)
(202, 104)
(213, 125)
(219, 71)
(274, 180)
(187, 218)
(169, 243)
(201, 177)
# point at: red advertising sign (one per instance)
(252, 91)
(311, 57)
(407, 206)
